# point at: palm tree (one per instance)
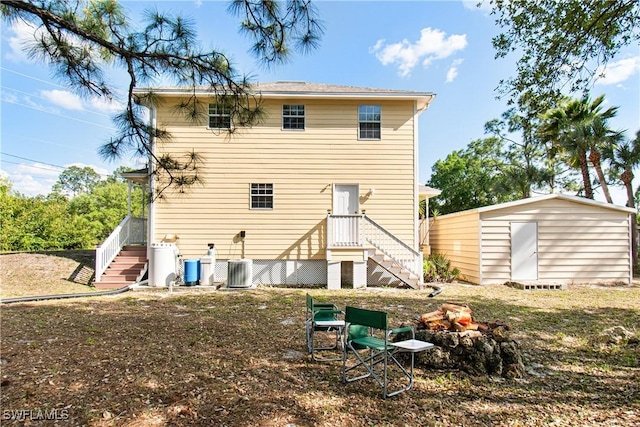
(599, 136)
(625, 157)
(577, 127)
(561, 126)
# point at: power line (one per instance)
(31, 160)
(31, 166)
(42, 97)
(58, 114)
(31, 77)
(44, 163)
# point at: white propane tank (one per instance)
(208, 267)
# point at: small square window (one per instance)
(219, 116)
(293, 117)
(369, 121)
(261, 196)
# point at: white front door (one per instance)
(346, 204)
(524, 251)
(345, 199)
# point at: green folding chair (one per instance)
(368, 339)
(323, 319)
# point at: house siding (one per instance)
(457, 237)
(302, 166)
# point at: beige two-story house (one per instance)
(324, 189)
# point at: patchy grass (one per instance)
(239, 359)
(45, 273)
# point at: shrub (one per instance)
(437, 268)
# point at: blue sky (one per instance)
(437, 46)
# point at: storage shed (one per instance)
(552, 239)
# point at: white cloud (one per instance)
(433, 44)
(618, 71)
(38, 178)
(33, 179)
(452, 73)
(63, 98)
(23, 35)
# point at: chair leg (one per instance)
(407, 374)
(369, 363)
(336, 345)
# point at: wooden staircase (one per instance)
(402, 274)
(128, 267)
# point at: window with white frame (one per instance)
(261, 196)
(369, 121)
(219, 116)
(293, 116)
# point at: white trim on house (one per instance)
(293, 90)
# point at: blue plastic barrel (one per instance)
(191, 271)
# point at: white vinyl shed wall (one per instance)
(578, 240)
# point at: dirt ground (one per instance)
(239, 359)
(44, 273)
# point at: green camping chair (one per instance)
(368, 339)
(323, 318)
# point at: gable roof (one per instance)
(300, 89)
(521, 202)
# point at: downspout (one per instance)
(152, 181)
(416, 184)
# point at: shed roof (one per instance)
(536, 199)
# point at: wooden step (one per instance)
(134, 248)
(125, 269)
(129, 258)
(121, 266)
(130, 278)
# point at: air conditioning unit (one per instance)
(240, 273)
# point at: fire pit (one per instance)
(461, 342)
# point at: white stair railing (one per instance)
(344, 230)
(401, 253)
(361, 231)
(130, 231)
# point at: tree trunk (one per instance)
(594, 158)
(586, 179)
(627, 179)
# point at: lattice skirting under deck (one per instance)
(281, 272)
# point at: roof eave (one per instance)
(423, 98)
